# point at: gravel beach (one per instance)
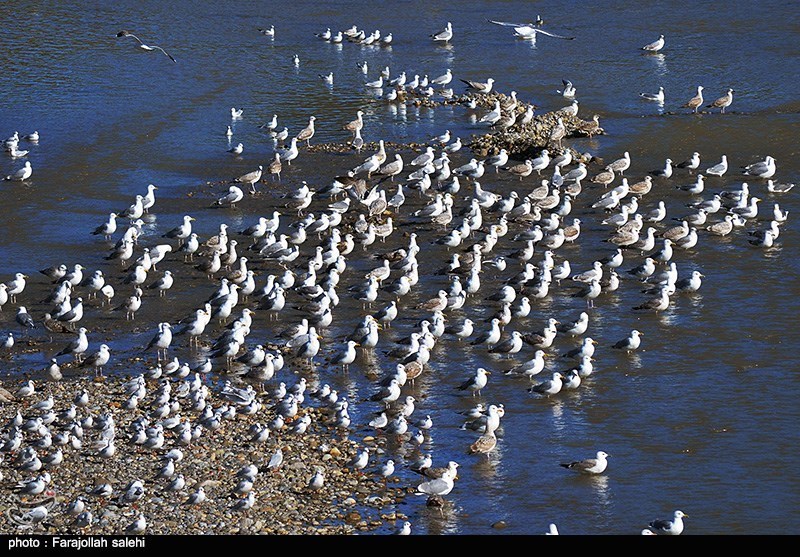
(349, 501)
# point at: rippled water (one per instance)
(701, 419)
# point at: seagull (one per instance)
(441, 485)
(629, 343)
(234, 195)
(108, 228)
(161, 340)
(22, 174)
(476, 382)
(577, 327)
(656, 45)
(509, 346)
(589, 465)
(270, 32)
(776, 187)
(317, 480)
(308, 132)
(695, 102)
(98, 359)
(498, 160)
(144, 46)
(251, 178)
(656, 97)
(672, 527)
(528, 31)
(443, 79)
(665, 172)
(550, 386)
(569, 89)
(532, 367)
(720, 168)
(723, 102)
(761, 169)
(480, 86)
(493, 115)
(77, 346)
(24, 318)
(445, 35)
(692, 163)
(690, 284)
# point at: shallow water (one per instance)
(700, 419)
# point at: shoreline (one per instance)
(349, 501)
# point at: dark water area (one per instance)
(701, 418)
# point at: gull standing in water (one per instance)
(692, 163)
(480, 86)
(445, 35)
(655, 46)
(761, 169)
(251, 178)
(723, 102)
(590, 466)
(145, 46)
(443, 79)
(629, 343)
(308, 132)
(672, 527)
(22, 174)
(695, 102)
(656, 97)
(569, 89)
(720, 168)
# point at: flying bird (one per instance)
(145, 46)
(528, 31)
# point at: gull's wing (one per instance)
(129, 34)
(165, 52)
(553, 35)
(507, 24)
(533, 28)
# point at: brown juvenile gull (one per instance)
(522, 170)
(723, 102)
(308, 132)
(695, 102)
(604, 178)
(722, 228)
(591, 127)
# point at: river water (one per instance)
(702, 418)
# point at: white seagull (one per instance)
(444, 35)
(145, 46)
(656, 45)
(528, 31)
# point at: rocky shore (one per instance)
(349, 501)
(520, 140)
